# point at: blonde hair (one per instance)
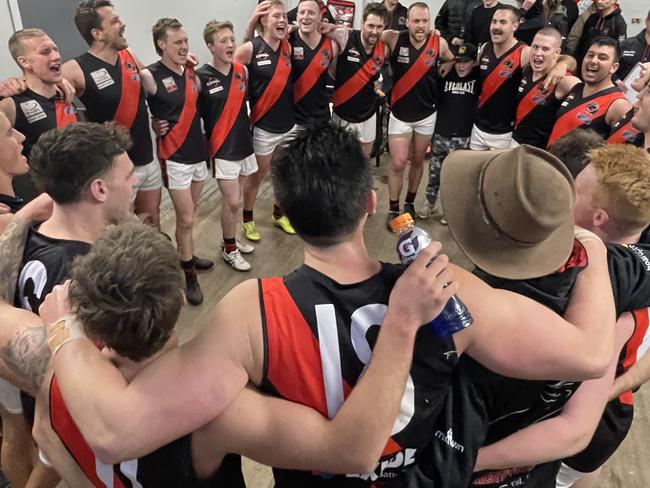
(16, 46)
(260, 27)
(623, 189)
(214, 26)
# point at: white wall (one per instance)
(140, 15)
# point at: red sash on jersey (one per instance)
(231, 109)
(318, 65)
(641, 323)
(570, 120)
(417, 70)
(65, 113)
(292, 346)
(530, 101)
(68, 432)
(174, 139)
(362, 77)
(275, 87)
(494, 80)
(625, 134)
(131, 86)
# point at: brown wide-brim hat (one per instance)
(510, 211)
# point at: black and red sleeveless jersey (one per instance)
(578, 111)
(355, 99)
(309, 74)
(416, 70)
(107, 98)
(536, 110)
(36, 114)
(319, 336)
(280, 117)
(500, 77)
(167, 467)
(489, 407)
(213, 100)
(623, 132)
(169, 103)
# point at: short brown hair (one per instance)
(551, 31)
(160, 28)
(65, 161)
(127, 291)
(512, 9)
(623, 189)
(573, 148)
(86, 18)
(214, 26)
(375, 8)
(16, 46)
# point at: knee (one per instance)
(185, 221)
(233, 202)
(398, 165)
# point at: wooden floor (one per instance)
(278, 253)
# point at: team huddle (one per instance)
(539, 167)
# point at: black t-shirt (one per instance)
(477, 30)
(457, 104)
(46, 263)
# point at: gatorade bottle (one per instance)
(410, 242)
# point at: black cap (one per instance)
(465, 52)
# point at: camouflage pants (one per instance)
(441, 146)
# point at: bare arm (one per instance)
(260, 10)
(617, 110)
(561, 436)
(174, 395)
(73, 73)
(517, 337)
(389, 36)
(8, 107)
(148, 83)
(244, 53)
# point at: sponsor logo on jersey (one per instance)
(641, 255)
(448, 439)
(390, 467)
(102, 78)
(33, 111)
(169, 84)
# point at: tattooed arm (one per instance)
(23, 348)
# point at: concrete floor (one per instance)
(278, 253)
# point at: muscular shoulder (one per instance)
(74, 74)
(244, 52)
(8, 107)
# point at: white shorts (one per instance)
(149, 176)
(366, 130)
(264, 142)
(424, 127)
(231, 170)
(482, 141)
(10, 397)
(180, 176)
(567, 476)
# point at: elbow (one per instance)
(361, 464)
(595, 366)
(107, 448)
